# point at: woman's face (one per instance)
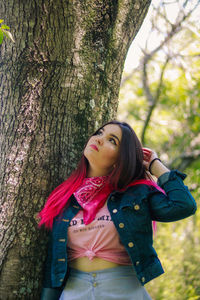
(102, 150)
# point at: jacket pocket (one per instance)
(136, 212)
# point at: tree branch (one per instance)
(153, 100)
(184, 160)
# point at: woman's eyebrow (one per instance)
(113, 135)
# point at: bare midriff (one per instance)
(86, 265)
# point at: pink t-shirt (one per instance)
(97, 239)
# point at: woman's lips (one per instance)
(94, 147)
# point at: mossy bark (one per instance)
(58, 82)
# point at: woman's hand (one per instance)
(149, 155)
(156, 167)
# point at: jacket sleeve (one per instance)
(48, 292)
(177, 203)
(51, 293)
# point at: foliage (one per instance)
(178, 247)
(4, 31)
(173, 131)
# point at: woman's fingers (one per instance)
(147, 153)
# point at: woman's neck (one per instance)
(97, 173)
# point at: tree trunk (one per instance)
(58, 82)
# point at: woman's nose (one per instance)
(99, 140)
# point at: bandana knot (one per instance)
(92, 195)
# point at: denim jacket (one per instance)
(132, 212)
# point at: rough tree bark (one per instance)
(58, 82)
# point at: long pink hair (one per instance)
(129, 171)
(58, 199)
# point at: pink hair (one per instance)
(58, 199)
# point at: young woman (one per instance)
(100, 219)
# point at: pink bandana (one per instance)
(94, 191)
(89, 197)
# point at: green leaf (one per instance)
(1, 36)
(8, 34)
(5, 27)
(1, 21)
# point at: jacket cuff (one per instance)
(51, 293)
(168, 176)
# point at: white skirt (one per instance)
(119, 283)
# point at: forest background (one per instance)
(160, 98)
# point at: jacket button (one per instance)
(62, 240)
(115, 211)
(112, 198)
(143, 279)
(121, 225)
(130, 245)
(61, 280)
(136, 207)
(65, 220)
(61, 259)
(75, 206)
(137, 263)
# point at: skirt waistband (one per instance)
(115, 272)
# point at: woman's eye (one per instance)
(99, 132)
(113, 141)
